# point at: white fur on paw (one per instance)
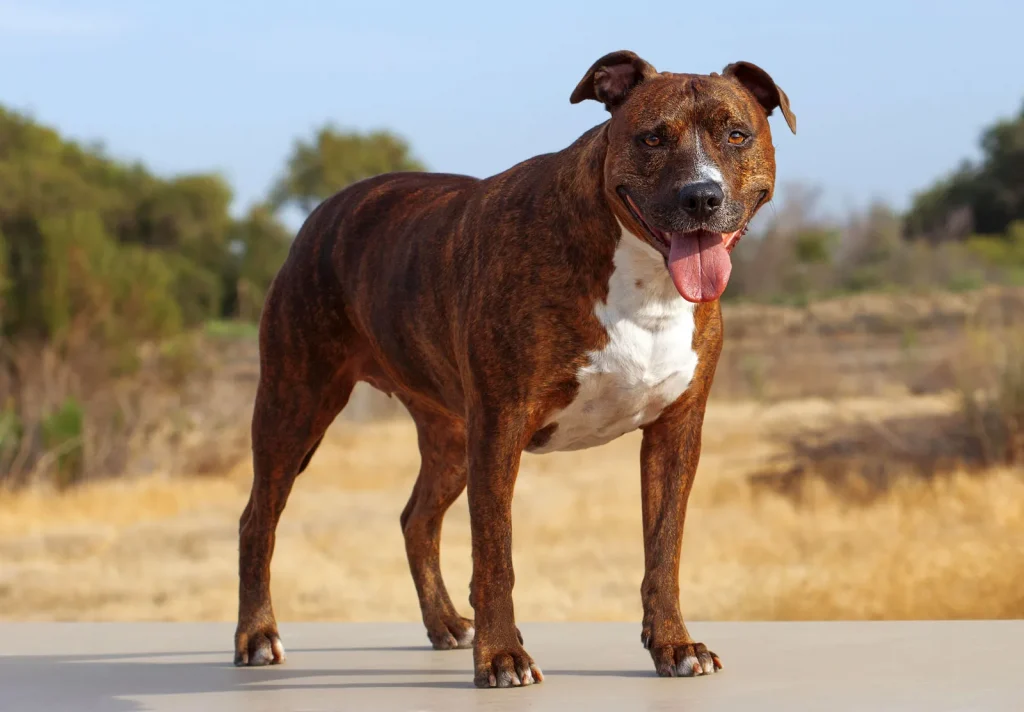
(278, 649)
(688, 666)
(709, 666)
(506, 678)
(262, 656)
(467, 638)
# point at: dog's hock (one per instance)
(611, 79)
(768, 94)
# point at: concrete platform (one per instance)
(121, 667)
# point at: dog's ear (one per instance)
(610, 79)
(764, 89)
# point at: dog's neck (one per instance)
(580, 178)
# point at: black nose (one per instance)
(701, 199)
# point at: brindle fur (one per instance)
(473, 302)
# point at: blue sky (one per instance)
(889, 95)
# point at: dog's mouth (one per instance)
(698, 260)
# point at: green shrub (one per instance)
(63, 432)
(11, 432)
(232, 329)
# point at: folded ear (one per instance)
(764, 89)
(611, 79)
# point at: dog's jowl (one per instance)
(555, 306)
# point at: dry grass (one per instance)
(165, 549)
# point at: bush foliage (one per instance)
(99, 257)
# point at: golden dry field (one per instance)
(164, 548)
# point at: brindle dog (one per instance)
(554, 306)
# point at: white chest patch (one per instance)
(649, 359)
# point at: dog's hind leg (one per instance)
(286, 432)
(304, 383)
(442, 478)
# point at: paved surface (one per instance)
(768, 666)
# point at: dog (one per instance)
(558, 305)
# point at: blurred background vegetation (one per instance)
(120, 288)
(107, 271)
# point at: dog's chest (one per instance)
(647, 363)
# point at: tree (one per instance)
(334, 159)
(259, 246)
(990, 194)
(98, 257)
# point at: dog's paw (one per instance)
(453, 633)
(507, 668)
(258, 648)
(685, 660)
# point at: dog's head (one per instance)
(690, 159)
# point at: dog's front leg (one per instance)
(668, 463)
(494, 450)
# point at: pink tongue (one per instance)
(700, 265)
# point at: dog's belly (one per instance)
(646, 365)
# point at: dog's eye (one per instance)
(737, 137)
(652, 140)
